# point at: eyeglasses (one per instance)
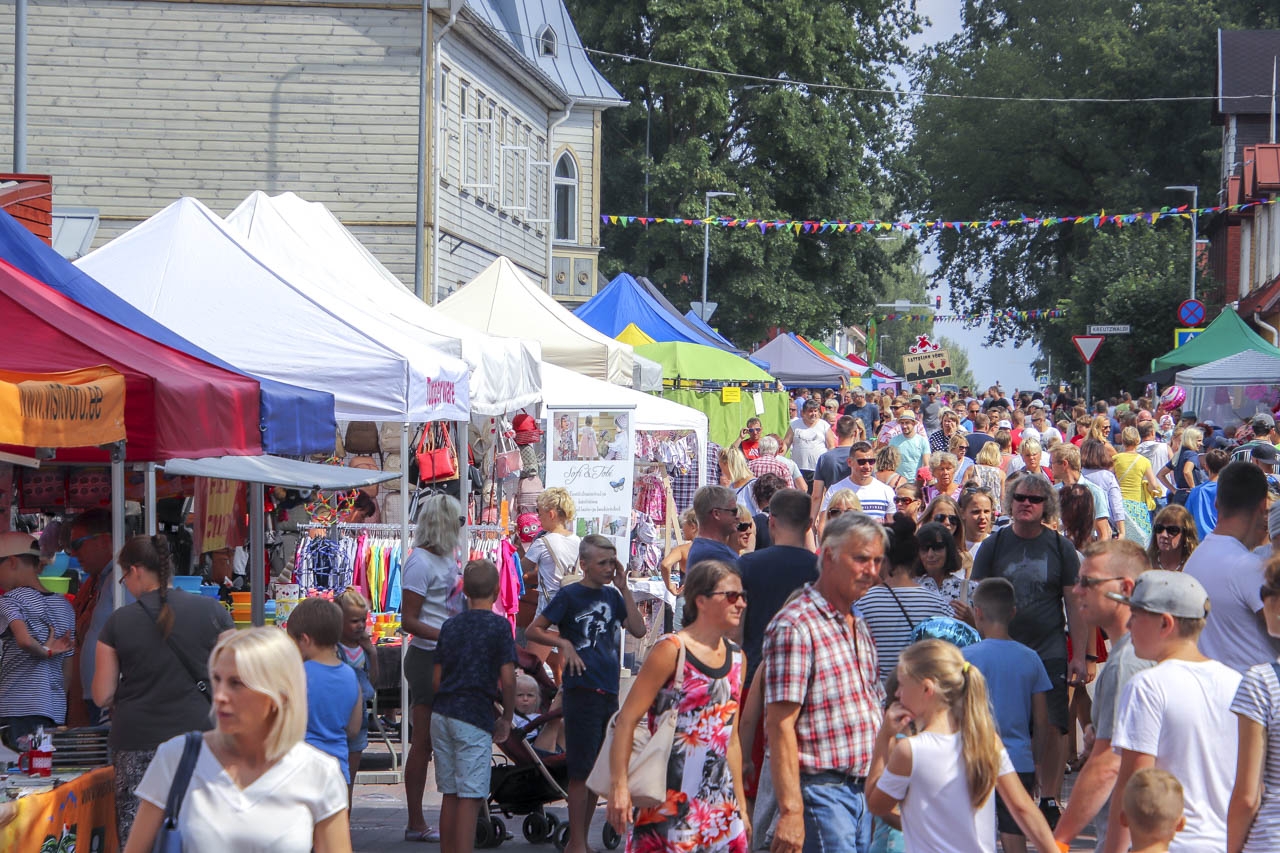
(946, 519)
(1088, 582)
(78, 542)
(981, 490)
(731, 596)
(1171, 529)
(933, 546)
(905, 501)
(744, 526)
(754, 429)
(870, 461)
(1031, 499)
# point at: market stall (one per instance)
(797, 365)
(1226, 335)
(1232, 389)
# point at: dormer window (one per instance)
(547, 44)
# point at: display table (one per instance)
(648, 588)
(72, 810)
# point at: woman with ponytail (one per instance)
(939, 756)
(152, 665)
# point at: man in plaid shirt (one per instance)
(768, 462)
(823, 697)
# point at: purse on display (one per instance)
(437, 458)
(650, 753)
(362, 438)
(506, 456)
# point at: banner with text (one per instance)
(591, 459)
(220, 513)
(78, 815)
(926, 366)
(79, 408)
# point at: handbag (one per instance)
(168, 836)
(437, 458)
(362, 438)
(650, 753)
(506, 456)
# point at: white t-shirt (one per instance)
(276, 813)
(808, 443)
(1258, 699)
(937, 811)
(1233, 632)
(1180, 713)
(552, 568)
(876, 497)
(434, 578)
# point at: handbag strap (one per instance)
(679, 675)
(201, 685)
(898, 601)
(182, 778)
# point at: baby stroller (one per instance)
(523, 783)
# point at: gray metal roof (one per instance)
(1245, 61)
(521, 21)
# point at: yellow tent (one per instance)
(633, 335)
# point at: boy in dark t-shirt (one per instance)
(588, 615)
(475, 652)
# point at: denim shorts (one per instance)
(463, 756)
(835, 814)
(586, 719)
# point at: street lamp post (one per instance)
(706, 247)
(880, 351)
(1195, 203)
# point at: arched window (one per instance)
(547, 43)
(566, 184)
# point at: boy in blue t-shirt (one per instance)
(334, 703)
(1017, 683)
(588, 615)
(474, 654)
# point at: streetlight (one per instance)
(880, 351)
(706, 247)
(1195, 203)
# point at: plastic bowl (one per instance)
(56, 584)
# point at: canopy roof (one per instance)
(832, 356)
(278, 471)
(626, 301)
(709, 338)
(1244, 368)
(502, 300)
(1226, 335)
(306, 242)
(693, 361)
(188, 270)
(295, 420)
(793, 363)
(633, 335)
(696, 321)
(175, 405)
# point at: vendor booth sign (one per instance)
(78, 815)
(590, 456)
(79, 408)
(220, 512)
(926, 361)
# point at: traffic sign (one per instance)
(1108, 330)
(1088, 346)
(1042, 380)
(1182, 336)
(1191, 312)
(710, 309)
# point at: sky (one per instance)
(1006, 364)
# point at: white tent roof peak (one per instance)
(502, 300)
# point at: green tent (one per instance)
(692, 364)
(1226, 335)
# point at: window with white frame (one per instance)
(447, 132)
(566, 198)
(547, 43)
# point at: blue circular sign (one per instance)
(1191, 312)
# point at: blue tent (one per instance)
(294, 421)
(624, 301)
(698, 323)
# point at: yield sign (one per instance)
(1088, 346)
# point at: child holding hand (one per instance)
(356, 651)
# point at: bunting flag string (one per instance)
(840, 226)
(988, 317)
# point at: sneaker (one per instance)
(1049, 808)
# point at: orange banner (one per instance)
(79, 408)
(79, 815)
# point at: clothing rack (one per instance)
(341, 525)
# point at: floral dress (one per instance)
(701, 812)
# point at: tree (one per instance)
(960, 373)
(1001, 159)
(788, 151)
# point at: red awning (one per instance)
(176, 406)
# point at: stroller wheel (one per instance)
(562, 836)
(484, 833)
(499, 831)
(610, 837)
(535, 828)
(553, 824)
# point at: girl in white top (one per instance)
(257, 785)
(549, 558)
(944, 774)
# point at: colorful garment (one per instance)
(702, 811)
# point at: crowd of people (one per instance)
(900, 625)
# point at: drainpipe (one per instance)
(551, 188)
(455, 6)
(1275, 336)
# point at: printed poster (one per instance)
(590, 456)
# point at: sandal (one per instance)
(430, 834)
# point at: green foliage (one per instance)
(985, 159)
(960, 373)
(788, 151)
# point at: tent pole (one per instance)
(117, 521)
(152, 526)
(404, 555)
(257, 555)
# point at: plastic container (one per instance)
(36, 762)
(56, 584)
(241, 597)
(209, 590)
(188, 583)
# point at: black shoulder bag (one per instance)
(201, 684)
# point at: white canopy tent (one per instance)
(1227, 390)
(306, 242)
(501, 300)
(647, 375)
(188, 270)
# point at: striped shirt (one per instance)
(892, 614)
(1258, 699)
(32, 686)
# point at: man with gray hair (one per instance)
(717, 510)
(768, 462)
(823, 696)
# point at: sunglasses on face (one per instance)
(754, 429)
(1171, 529)
(870, 461)
(947, 519)
(905, 501)
(933, 546)
(744, 526)
(732, 596)
(1088, 582)
(1031, 499)
(78, 542)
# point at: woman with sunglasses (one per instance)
(907, 499)
(743, 538)
(941, 568)
(707, 702)
(1173, 538)
(842, 501)
(944, 510)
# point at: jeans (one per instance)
(836, 819)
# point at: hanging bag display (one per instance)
(437, 458)
(506, 456)
(362, 438)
